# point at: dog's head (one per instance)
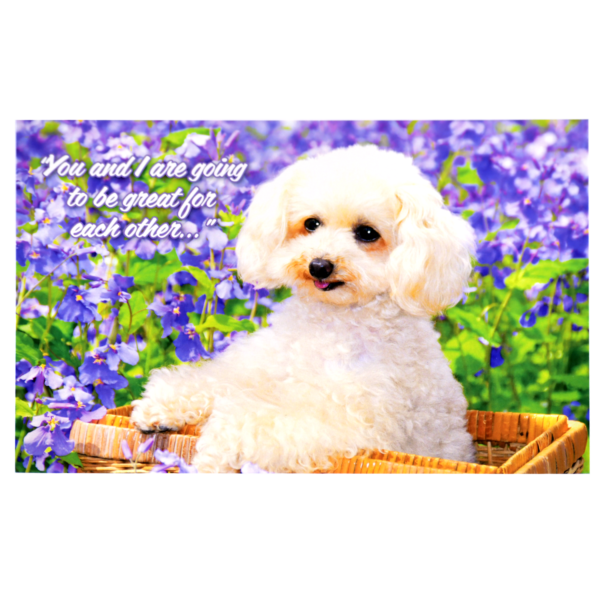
(349, 225)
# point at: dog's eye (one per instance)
(365, 233)
(311, 224)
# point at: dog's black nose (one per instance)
(320, 268)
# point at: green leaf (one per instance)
(136, 385)
(580, 320)
(176, 139)
(204, 286)
(34, 327)
(237, 308)
(50, 128)
(30, 227)
(27, 348)
(139, 139)
(468, 175)
(133, 315)
(544, 271)
(23, 409)
(280, 294)
(21, 270)
(465, 353)
(60, 350)
(542, 123)
(146, 272)
(72, 459)
(510, 224)
(227, 324)
(75, 150)
(236, 221)
(570, 396)
(468, 318)
(66, 329)
(581, 382)
(171, 267)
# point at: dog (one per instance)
(351, 360)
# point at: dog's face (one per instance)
(352, 224)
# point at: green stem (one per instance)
(488, 354)
(547, 345)
(40, 282)
(464, 362)
(203, 314)
(49, 319)
(20, 301)
(20, 442)
(31, 457)
(149, 334)
(511, 377)
(82, 340)
(254, 306)
(130, 317)
(113, 332)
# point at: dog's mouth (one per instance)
(327, 286)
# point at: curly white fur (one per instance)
(339, 370)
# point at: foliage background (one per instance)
(94, 317)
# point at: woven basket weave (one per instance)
(506, 443)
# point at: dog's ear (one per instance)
(263, 231)
(432, 262)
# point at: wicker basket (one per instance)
(506, 443)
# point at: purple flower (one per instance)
(499, 276)
(40, 461)
(174, 313)
(45, 259)
(22, 368)
(488, 253)
(86, 416)
(122, 147)
(496, 358)
(568, 410)
(216, 238)
(74, 401)
(43, 374)
(79, 305)
(117, 289)
(168, 459)
(528, 319)
(73, 391)
(142, 449)
(188, 347)
(126, 450)
(96, 371)
(145, 446)
(23, 250)
(117, 352)
(48, 436)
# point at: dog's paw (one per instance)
(159, 429)
(151, 417)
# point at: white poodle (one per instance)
(351, 360)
